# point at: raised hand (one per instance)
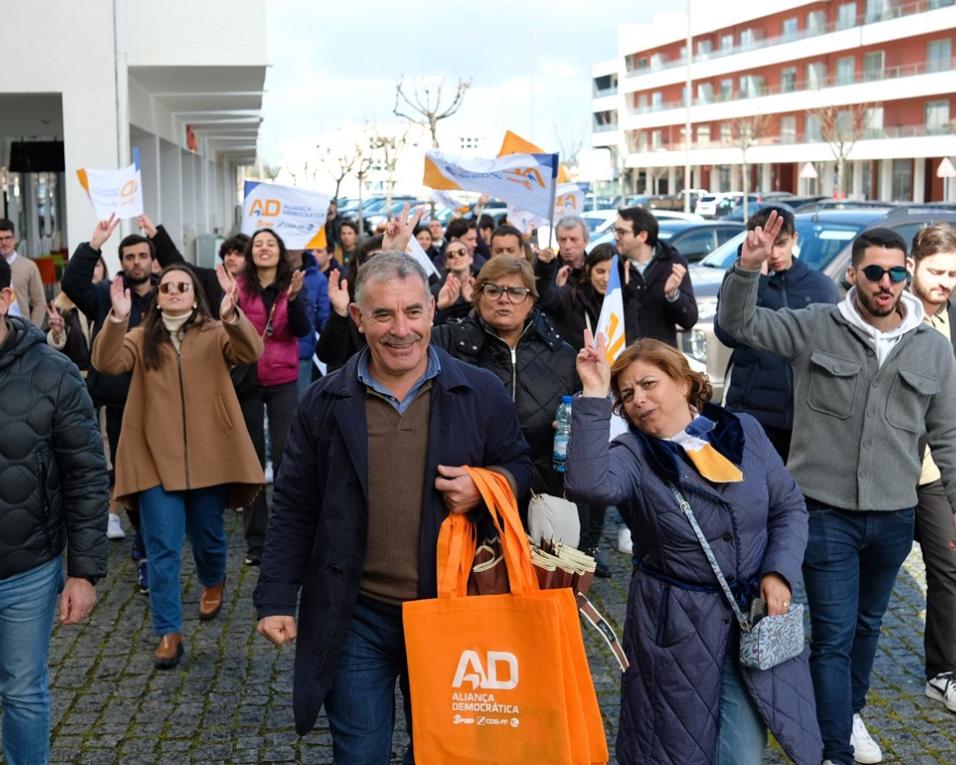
(562, 276)
(120, 297)
(230, 293)
(759, 243)
(468, 288)
(339, 293)
(674, 280)
(146, 226)
(546, 255)
(103, 231)
(593, 368)
(399, 229)
(449, 292)
(295, 285)
(56, 323)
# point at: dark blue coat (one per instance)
(679, 625)
(317, 532)
(316, 287)
(762, 382)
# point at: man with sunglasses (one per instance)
(871, 380)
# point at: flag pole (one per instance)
(554, 194)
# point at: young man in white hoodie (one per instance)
(871, 381)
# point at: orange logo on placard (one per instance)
(528, 177)
(567, 201)
(267, 207)
(128, 190)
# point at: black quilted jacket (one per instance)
(54, 490)
(541, 371)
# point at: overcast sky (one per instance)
(337, 63)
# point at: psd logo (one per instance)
(528, 177)
(128, 191)
(566, 201)
(268, 207)
(498, 673)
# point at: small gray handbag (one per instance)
(772, 640)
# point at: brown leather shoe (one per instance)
(169, 651)
(210, 602)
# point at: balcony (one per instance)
(895, 12)
(800, 86)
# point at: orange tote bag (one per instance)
(498, 679)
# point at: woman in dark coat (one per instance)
(685, 698)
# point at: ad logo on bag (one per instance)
(497, 671)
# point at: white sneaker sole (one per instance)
(871, 759)
(935, 695)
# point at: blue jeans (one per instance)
(27, 605)
(165, 516)
(361, 702)
(742, 735)
(850, 568)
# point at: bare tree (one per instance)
(426, 105)
(389, 146)
(570, 142)
(841, 127)
(339, 165)
(363, 163)
(748, 131)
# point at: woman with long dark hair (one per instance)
(269, 291)
(182, 454)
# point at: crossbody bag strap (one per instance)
(685, 508)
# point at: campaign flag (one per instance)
(297, 215)
(568, 200)
(515, 144)
(524, 180)
(415, 250)
(114, 192)
(446, 200)
(611, 320)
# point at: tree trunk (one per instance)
(746, 182)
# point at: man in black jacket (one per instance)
(136, 258)
(762, 382)
(54, 493)
(655, 277)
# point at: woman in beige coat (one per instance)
(184, 452)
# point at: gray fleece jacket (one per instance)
(858, 417)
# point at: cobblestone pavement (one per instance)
(230, 701)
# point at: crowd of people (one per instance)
(360, 388)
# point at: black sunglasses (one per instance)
(875, 273)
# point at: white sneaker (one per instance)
(865, 749)
(114, 529)
(624, 543)
(943, 688)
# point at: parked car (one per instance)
(602, 221)
(821, 238)
(692, 238)
(828, 203)
(753, 207)
(905, 221)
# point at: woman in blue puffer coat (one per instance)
(685, 698)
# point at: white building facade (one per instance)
(182, 81)
(859, 90)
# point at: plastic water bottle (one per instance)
(559, 454)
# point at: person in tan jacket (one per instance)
(184, 452)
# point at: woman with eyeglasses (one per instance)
(507, 334)
(183, 454)
(269, 290)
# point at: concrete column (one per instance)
(171, 197)
(31, 236)
(827, 185)
(149, 165)
(694, 177)
(919, 180)
(766, 177)
(736, 178)
(672, 180)
(886, 179)
(857, 170)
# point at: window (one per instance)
(696, 244)
(846, 16)
(873, 63)
(937, 116)
(938, 55)
(788, 130)
(816, 22)
(726, 89)
(902, 180)
(788, 79)
(877, 10)
(748, 38)
(873, 121)
(704, 48)
(705, 93)
(790, 27)
(751, 85)
(657, 100)
(845, 123)
(816, 74)
(727, 42)
(846, 70)
(657, 61)
(656, 139)
(726, 132)
(811, 131)
(703, 134)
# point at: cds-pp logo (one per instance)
(499, 672)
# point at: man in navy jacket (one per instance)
(762, 382)
(373, 465)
